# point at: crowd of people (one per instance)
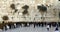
(35, 24)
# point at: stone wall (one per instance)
(51, 15)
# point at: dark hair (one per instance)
(56, 29)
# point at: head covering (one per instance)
(56, 29)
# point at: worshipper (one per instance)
(14, 25)
(7, 27)
(34, 25)
(48, 27)
(28, 24)
(56, 30)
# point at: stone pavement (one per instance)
(31, 29)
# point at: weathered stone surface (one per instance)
(34, 14)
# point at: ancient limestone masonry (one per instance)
(52, 13)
